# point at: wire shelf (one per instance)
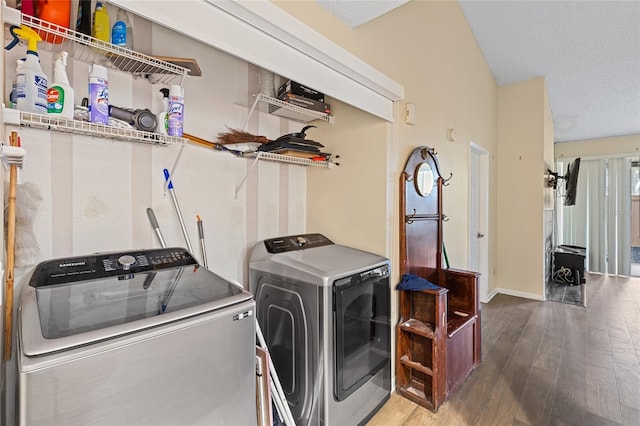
(287, 159)
(284, 109)
(47, 122)
(89, 49)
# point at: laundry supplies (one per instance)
(31, 82)
(98, 95)
(175, 116)
(60, 96)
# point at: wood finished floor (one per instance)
(547, 363)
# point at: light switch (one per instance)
(410, 114)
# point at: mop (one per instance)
(178, 212)
(13, 157)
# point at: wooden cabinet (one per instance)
(421, 347)
(439, 333)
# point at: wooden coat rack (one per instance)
(439, 341)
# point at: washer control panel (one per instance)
(81, 268)
(296, 242)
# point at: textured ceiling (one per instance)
(588, 52)
(357, 12)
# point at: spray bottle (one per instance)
(60, 94)
(16, 88)
(175, 113)
(163, 123)
(30, 76)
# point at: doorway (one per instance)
(635, 217)
(479, 216)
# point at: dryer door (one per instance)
(361, 329)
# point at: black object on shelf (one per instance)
(568, 265)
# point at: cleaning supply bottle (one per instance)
(101, 23)
(60, 94)
(31, 82)
(56, 12)
(162, 116)
(175, 113)
(98, 95)
(83, 24)
(122, 34)
(16, 88)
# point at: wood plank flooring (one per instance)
(547, 363)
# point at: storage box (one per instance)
(298, 89)
(304, 102)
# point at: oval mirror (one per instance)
(424, 179)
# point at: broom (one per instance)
(238, 136)
(13, 161)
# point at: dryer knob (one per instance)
(126, 261)
(300, 241)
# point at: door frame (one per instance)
(481, 215)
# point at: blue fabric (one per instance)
(414, 282)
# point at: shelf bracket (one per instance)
(246, 121)
(246, 175)
(11, 16)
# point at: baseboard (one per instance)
(490, 296)
(522, 294)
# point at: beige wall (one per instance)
(348, 203)
(621, 145)
(429, 49)
(522, 130)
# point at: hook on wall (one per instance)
(409, 219)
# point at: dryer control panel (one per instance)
(81, 268)
(296, 242)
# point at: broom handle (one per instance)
(11, 242)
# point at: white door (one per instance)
(479, 216)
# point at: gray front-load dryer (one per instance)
(324, 311)
(147, 337)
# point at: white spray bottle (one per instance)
(34, 96)
(60, 95)
(163, 120)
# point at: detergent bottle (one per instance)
(101, 23)
(56, 12)
(83, 24)
(60, 95)
(31, 82)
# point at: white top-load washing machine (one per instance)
(138, 338)
(324, 312)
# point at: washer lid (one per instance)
(60, 316)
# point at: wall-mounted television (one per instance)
(571, 182)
